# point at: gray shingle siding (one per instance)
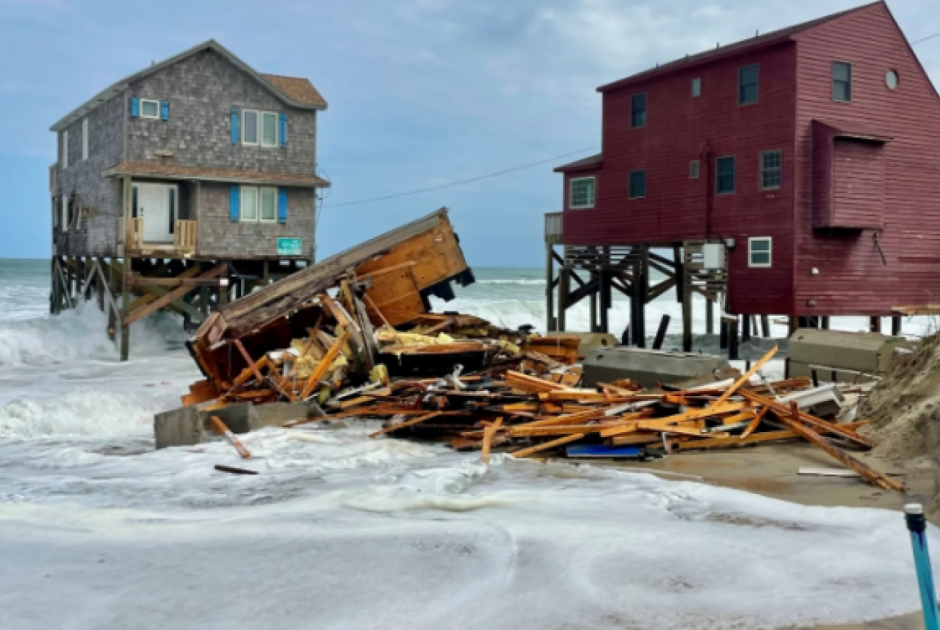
(201, 91)
(95, 233)
(220, 237)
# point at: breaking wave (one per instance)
(78, 414)
(82, 334)
(520, 281)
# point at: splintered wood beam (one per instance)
(406, 423)
(755, 422)
(668, 271)
(251, 364)
(547, 445)
(663, 424)
(870, 474)
(375, 308)
(745, 377)
(141, 281)
(317, 375)
(107, 288)
(488, 434)
(781, 410)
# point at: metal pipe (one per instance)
(917, 525)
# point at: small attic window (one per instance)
(149, 108)
(696, 87)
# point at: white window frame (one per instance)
(571, 183)
(750, 252)
(261, 129)
(85, 138)
(261, 191)
(156, 104)
(257, 127)
(65, 149)
(241, 204)
(761, 169)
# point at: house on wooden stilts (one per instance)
(795, 173)
(184, 186)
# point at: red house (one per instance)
(812, 153)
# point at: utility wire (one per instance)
(465, 181)
(925, 38)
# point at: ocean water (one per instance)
(99, 530)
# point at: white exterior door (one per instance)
(153, 206)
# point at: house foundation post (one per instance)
(874, 324)
(549, 288)
(896, 325)
(765, 326)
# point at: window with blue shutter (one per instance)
(283, 130)
(282, 205)
(135, 107)
(233, 203)
(164, 110)
(234, 125)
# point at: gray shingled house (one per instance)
(195, 173)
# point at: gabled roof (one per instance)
(294, 91)
(588, 163)
(760, 41)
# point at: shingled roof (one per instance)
(294, 91)
(759, 41)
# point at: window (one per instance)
(65, 149)
(581, 193)
(268, 129)
(759, 251)
(748, 84)
(696, 87)
(85, 139)
(891, 79)
(694, 169)
(64, 212)
(149, 108)
(249, 207)
(134, 202)
(249, 127)
(724, 175)
(172, 212)
(770, 168)
(637, 184)
(638, 110)
(269, 204)
(841, 81)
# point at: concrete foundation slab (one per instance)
(649, 367)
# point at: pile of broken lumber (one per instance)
(532, 406)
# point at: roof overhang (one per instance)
(587, 164)
(852, 131)
(116, 88)
(177, 173)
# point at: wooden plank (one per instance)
(547, 445)
(745, 377)
(663, 424)
(488, 434)
(317, 375)
(150, 297)
(870, 474)
(755, 422)
(172, 296)
(407, 423)
(781, 410)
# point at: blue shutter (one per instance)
(135, 107)
(164, 110)
(234, 125)
(283, 130)
(282, 205)
(233, 204)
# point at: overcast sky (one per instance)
(421, 92)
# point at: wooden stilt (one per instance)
(592, 303)
(643, 286)
(606, 289)
(896, 325)
(549, 289)
(793, 323)
(733, 340)
(563, 289)
(874, 324)
(765, 326)
(746, 328)
(825, 322)
(113, 314)
(661, 332)
(125, 310)
(709, 317)
(224, 288)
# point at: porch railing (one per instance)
(184, 236)
(553, 228)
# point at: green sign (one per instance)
(289, 247)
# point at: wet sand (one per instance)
(771, 470)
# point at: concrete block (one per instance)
(649, 367)
(179, 427)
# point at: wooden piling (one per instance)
(549, 288)
(564, 284)
(874, 324)
(765, 326)
(709, 317)
(895, 325)
(125, 310)
(733, 340)
(661, 332)
(746, 328)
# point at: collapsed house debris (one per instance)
(353, 337)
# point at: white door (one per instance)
(153, 206)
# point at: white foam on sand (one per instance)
(341, 531)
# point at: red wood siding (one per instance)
(680, 129)
(851, 278)
(858, 184)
